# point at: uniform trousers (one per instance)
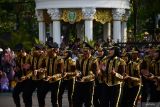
(29, 88)
(130, 95)
(69, 85)
(83, 94)
(44, 88)
(110, 95)
(18, 89)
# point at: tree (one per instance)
(146, 12)
(18, 21)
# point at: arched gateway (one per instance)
(107, 12)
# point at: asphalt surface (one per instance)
(6, 100)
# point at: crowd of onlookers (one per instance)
(7, 64)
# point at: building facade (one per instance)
(113, 14)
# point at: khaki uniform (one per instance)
(34, 82)
(132, 85)
(155, 83)
(145, 66)
(111, 89)
(84, 86)
(68, 81)
(117, 64)
(54, 73)
(22, 77)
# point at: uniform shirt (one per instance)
(38, 66)
(155, 70)
(148, 60)
(88, 68)
(23, 66)
(155, 67)
(69, 68)
(133, 70)
(55, 66)
(115, 63)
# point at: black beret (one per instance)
(55, 45)
(39, 47)
(86, 45)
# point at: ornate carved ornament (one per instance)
(118, 13)
(88, 13)
(54, 13)
(71, 15)
(47, 17)
(103, 16)
(126, 15)
(39, 15)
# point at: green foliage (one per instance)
(97, 30)
(17, 17)
(71, 36)
(37, 41)
(16, 14)
(90, 42)
(146, 13)
(19, 37)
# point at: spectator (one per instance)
(1, 51)
(4, 82)
(8, 64)
(0, 78)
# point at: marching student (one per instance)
(54, 73)
(112, 70)
(88, 68)
(68, 81)
(132, 81)
(22, 75)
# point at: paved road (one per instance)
(7, 101)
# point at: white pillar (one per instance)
(124, 31)
(88, 14)
(116, 31)
(42, 32)
(57, 32)
(124, 26)
(117, 16)
(42, 27)
(89, 29)
(107, 31)
(55, 16)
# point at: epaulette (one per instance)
(80, 55)
(94, 59)
(140, 60)
(60, 59)
(104, 58)
(72, 62)
(123, 62)
(69, 59)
